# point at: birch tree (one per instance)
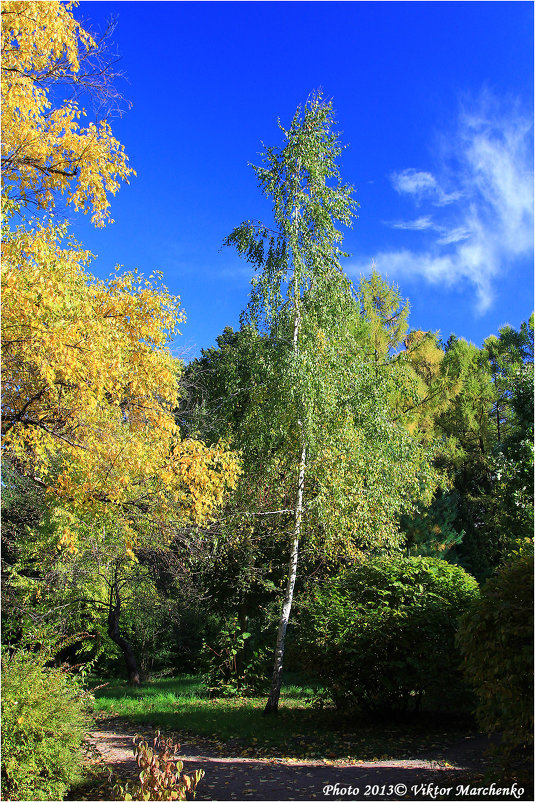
(318, 424)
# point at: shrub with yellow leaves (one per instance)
(161, 775)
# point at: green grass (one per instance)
(181, 704)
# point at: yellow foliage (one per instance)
(45, 149)
(89, 387)
(427, 389)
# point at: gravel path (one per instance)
(249, 778)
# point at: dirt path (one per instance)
(249, 778)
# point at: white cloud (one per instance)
(422, 184)
(498, 160)
(414, 182)
(447, 235)
(483, 221)
(414, 225)
(458, 234)
(447, 270)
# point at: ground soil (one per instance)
(232, 777)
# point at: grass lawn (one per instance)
(182, 704)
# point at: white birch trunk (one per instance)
(272, 703)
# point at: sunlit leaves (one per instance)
(323, 374)
(89, 385)
(387, 314)
(161, 775)
(46, 150)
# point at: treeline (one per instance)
(325, 484)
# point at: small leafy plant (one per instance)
(235, 666)
(226, 672)
(161, 774)
(43, 723)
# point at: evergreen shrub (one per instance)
(43, 718)
(380, 636)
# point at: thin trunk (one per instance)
(243, 617)
(496, 390)
(114, 633)
(272, 704)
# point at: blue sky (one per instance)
(435, 102)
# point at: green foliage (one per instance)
(488, 430)
(508, 355)
(161, 774)
(43, 723)
(380, 635)
(22, 507)
(70, 593)
(233, 669)
(510, 509)
(496, 640)
(431, 531)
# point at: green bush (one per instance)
(496, 640)
(42, 728)
(232, 668)
(380, 636)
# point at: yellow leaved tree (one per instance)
(45, 149)
(89, 386)
(88, 383)
(428, 387)
(424, 387)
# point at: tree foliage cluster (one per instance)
(46, 151)
(163, 513)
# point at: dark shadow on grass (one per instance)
(181, 705)
(299, 732)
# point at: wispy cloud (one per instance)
(477, 204)
(414, 225)
(422, 185)
(449, 236)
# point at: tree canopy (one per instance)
(88, 381)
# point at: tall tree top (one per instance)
(302, 179)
